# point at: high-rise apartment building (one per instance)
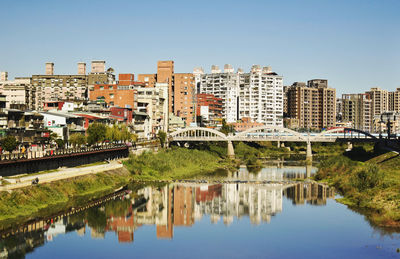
(380, 100)
(394, 100)
(257, 95)
(357, 110)
(314, 104)
(184, 95)
(181, 89)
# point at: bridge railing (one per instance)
(55, 152)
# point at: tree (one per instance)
(226, 128)
(96, 133)
(134, 137)
(9, 143)
(77, 139)
(125, 134)
(113, 133)
(60, 143)
(53, 136)
(162, 136)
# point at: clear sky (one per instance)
(353, 44)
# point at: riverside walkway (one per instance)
(59, 174)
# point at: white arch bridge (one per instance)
(271, 133)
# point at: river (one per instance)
(238, 219)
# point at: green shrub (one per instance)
(368, 177)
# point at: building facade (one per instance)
(357, 110)
(120, 94)
(380, 100)
(314, 104)
(257, 95)
(19, 93)
(154, 103)
(181, 89)
(51, 87)
(209, 108)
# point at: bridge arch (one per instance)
(344, 130)
(197, 133)
(294, 134)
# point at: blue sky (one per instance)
(353, 44)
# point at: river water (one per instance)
(239, 219)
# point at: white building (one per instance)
(154, 102)
(257, 95)
(19, 93)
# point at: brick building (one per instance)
(121, 94)
(181, 89)
(209, 108)
(245, 124)
(121, 114)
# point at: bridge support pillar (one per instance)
(308, 170)
(231, 151)
(309, 151)
(278, 145)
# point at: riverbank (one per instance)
(205, 158)
(176, 163)
(29, 202)
(369, 183)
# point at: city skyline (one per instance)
(352, 44)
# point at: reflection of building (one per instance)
(259, 202)
(166, 207)
(122, 225)
(183, 208)
(311, 193)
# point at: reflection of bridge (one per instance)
(271, 133)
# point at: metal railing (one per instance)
(56, 152)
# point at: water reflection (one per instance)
(274, 173)
(166, 207)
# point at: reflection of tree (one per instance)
(254, 169)
(118, 208)
(97, 219)
(17, 246)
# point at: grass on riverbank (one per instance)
(27, 202)
(175, 163)
(372, 186)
